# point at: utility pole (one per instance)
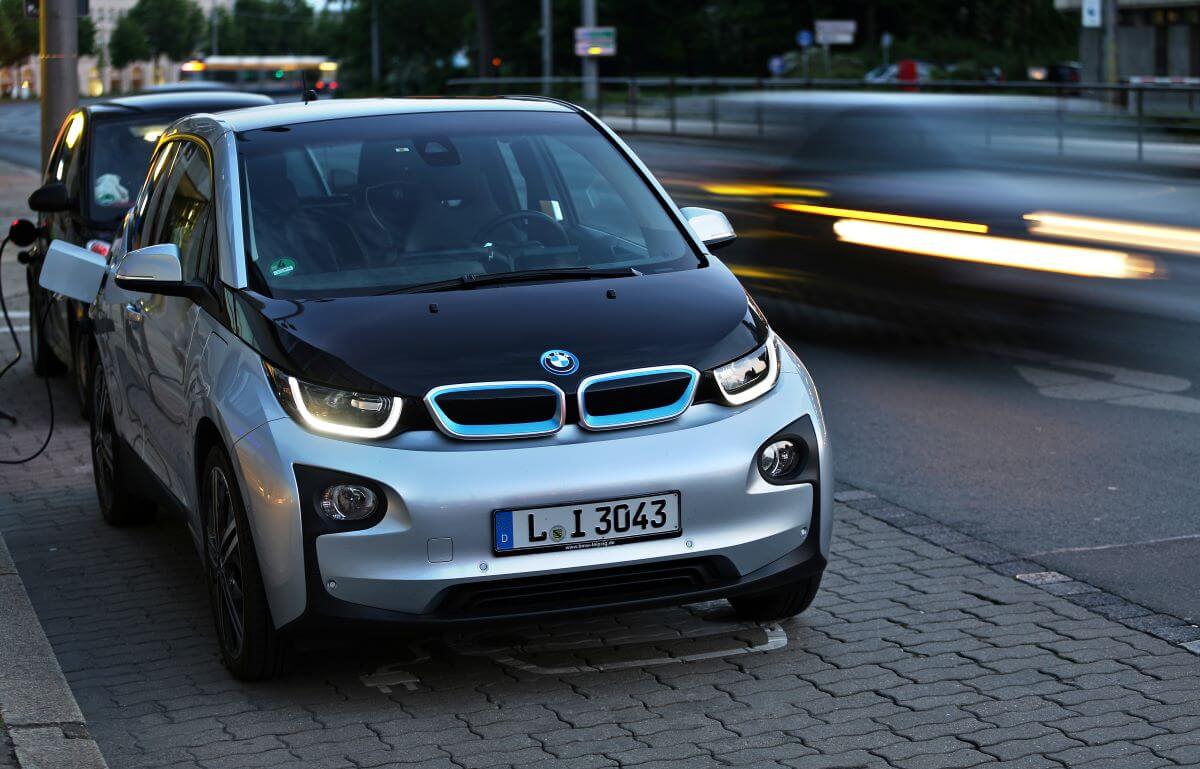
(547, 45)
(213, 19)
(376, 65)
(59, 73)
(591, 67)
(1109, 20)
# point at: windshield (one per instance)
(121, 153)
(377, 204)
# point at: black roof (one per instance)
(181, 103)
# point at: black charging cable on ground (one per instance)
(16, 340)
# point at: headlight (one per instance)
(333, 411)
(750, 376)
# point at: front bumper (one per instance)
(740, 534)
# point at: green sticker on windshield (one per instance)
(281, 267)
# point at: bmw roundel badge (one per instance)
(560, 362)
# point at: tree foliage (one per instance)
(18, 35)
(172, 27)
(266, 27)
(128, 43)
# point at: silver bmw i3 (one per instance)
(443, 361)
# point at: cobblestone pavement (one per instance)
(913, 655)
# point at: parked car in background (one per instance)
(97, 165)
(427, 362)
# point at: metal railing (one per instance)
(1136, 114)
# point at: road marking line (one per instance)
(1180, 538)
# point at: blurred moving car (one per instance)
(97, 165)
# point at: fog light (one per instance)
(348, 502)
(779, 459)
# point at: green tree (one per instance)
(265, 27)
(128, 43)
(86, 37)
(172, 27)
(18, 35)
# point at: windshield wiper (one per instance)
(477, 279)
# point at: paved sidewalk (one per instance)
(914, 656)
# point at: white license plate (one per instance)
(587, 524)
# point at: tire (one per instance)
(250, 645)
(45, 362)
(780, 603)
(118, 506)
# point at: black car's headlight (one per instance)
(750, 376)
(333, 411)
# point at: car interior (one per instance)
(376, 214)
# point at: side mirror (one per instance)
(72, 271)
(153, 270)
(50, 198)
(22, 232)
(711, 227)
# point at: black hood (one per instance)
(398, 344)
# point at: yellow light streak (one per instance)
(763, 191)
(328, 66)
(194, 65)
(1004, 252)
(74, 130)
(879, 216)
(1134, 234)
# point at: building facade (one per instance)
(1155, 38)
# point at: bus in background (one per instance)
(276, 76)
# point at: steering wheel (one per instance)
(553, 232)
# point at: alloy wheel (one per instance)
(225, 563)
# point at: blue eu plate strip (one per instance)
(504, 530)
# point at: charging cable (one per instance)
(16, 340)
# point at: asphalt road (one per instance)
(1067, 435)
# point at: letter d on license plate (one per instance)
(586, 524)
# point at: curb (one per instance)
(1108, 605)
(44, 725)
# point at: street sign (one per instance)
(836, 31)
(1092, 13)
(804, 38)
(777, 65)
(595, 41)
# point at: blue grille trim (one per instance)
(509, 430)
(645, 416)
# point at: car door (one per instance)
(184, 216)
(125, 311)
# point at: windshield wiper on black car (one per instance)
(477, 279)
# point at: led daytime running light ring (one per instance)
(349, 431)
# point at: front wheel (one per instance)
(250, 646)
(780, 603)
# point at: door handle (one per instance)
(133, 313)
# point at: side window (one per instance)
(597, 204)
(183, 215)
(151, 195)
